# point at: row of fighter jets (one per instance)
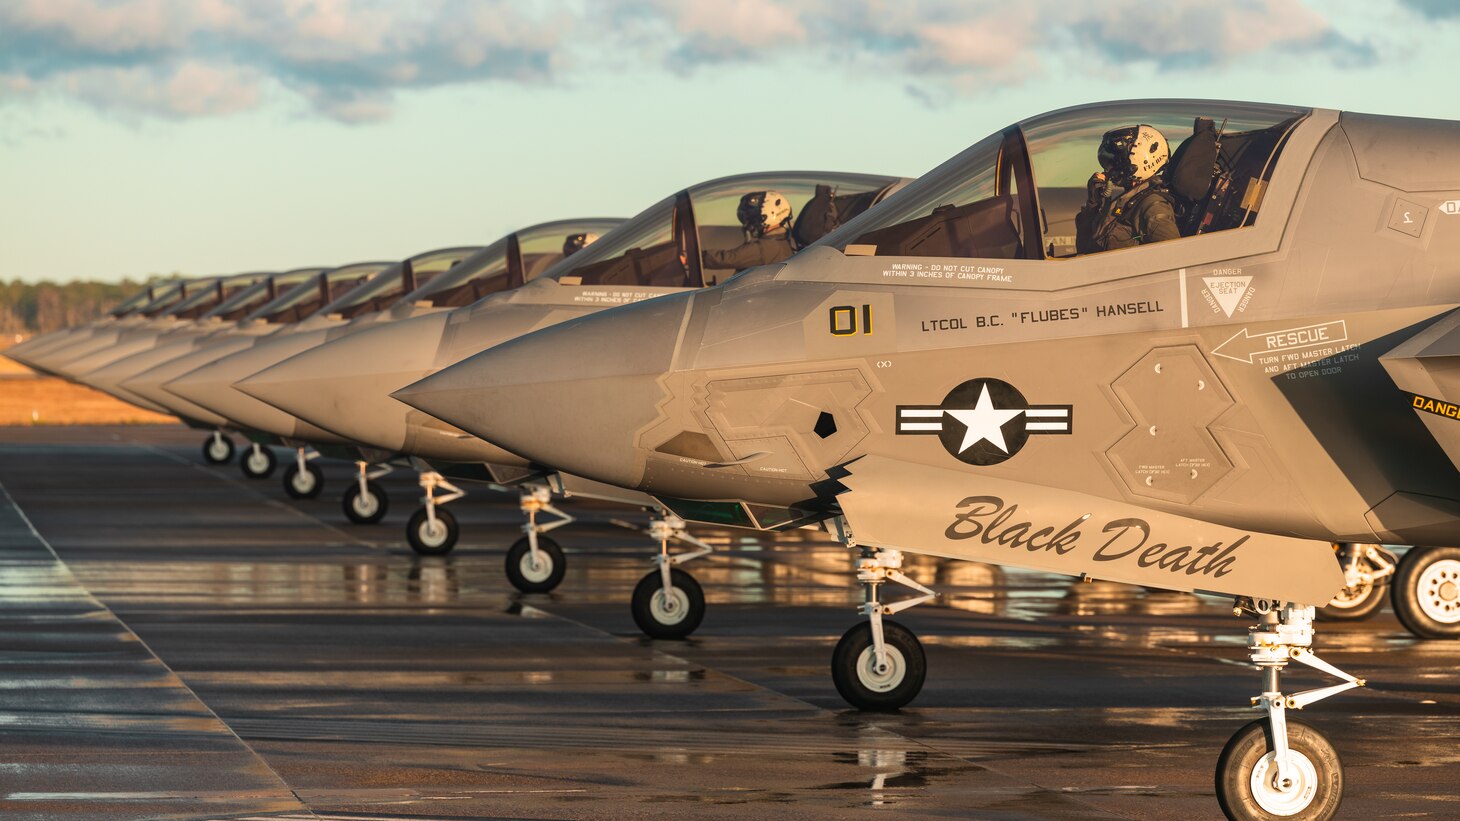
(1248, 410)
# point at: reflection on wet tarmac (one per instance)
(378, 684)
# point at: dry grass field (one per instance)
(27, 398)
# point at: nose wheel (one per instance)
(1250, 785)
(536, 571)
(365, 502)
(432, 530)
(217, 449)
(258, 462)
(302, 480)
(1426, 592)
(668, 604)
(868, 682)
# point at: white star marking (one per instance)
(984, 422)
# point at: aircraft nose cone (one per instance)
(572, 397)
(344, 385)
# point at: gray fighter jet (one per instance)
(54, 359)
(344, 386)
(26, 351)
(977, 370)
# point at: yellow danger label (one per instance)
(1435, 406)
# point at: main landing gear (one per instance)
(1367, 571)
(668, 603)
(1426, 592)
(365, 501)
(1274, 767)
(258, 462)
(879, 664)
(535, 563)
(303, 480)
(217, 449)
(432, 530)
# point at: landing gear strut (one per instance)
(879, 664)
(432, 530)
(535, 563)
(258, 462)
(217, 449)
(1367, 570)
(668, 603)
(365, 501)
(303, 480)
(1275, 767)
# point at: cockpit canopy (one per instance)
(202, 300)
(507, 263)
(385, 288)
(135, 302)
(662, 245)
(1015, 194)
(306, 298)
(265, 290)
(168, 294)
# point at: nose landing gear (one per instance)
(535, 563)
(1275, 767)
(668, 603)
(880, 664)
(432, 530)
(365, 501)
(258, 462)
(217, 449)
(303, 480)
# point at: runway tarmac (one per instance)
(179, 642)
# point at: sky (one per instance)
(144, 137)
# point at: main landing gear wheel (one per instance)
(258, 463)
(1367, 572)
(303, 484)
(367, 507)
(672, 613)
(1354, 603)
(545, 574)
(430, 538)
(1248, 784)
(1426, 592)
(867, 685)
(217, 449)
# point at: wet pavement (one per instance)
(206, 647)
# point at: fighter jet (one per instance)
(100, 336)
(25, 351)
(974, 370)
(344, 386)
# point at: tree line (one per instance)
(41, 307)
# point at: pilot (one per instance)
(766, 218)
(1142, 210)
(577, 242)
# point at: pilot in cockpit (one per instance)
(1129, 203)
(577, 242)
(766, 218)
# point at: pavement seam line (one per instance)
(19, 511)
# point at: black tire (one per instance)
(427, 543)
(1250, 746)
(1426, 592)
(261, 467)
(303, 485)
(218, 450)
(543, 579)
(864, 688)
(1354, 603)
(674, 618)
(370, 508)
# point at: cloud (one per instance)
(1434, 9)
(344, 58)
(348, 59)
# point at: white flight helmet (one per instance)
(763, 211)
(1133, 154)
